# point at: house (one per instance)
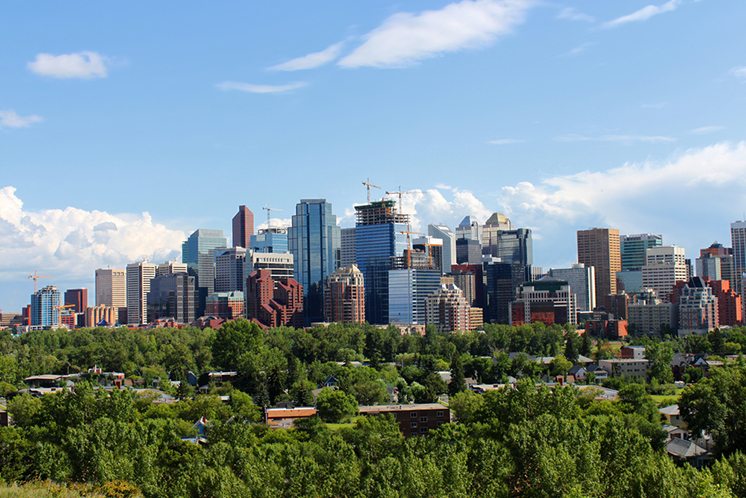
(413, 419)
(201, 427)
(632, 352)
(285, 418)
(684, 450)
(673, 416)
(598, 372)
(674, 432)
(579, 372)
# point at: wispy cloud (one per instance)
(644, 14)
(739, 72)
(706, 130)
(580, 49)
(11, 119)
(505, 141)
(81, 65)
(312, 60)
(261, 89)
(407, 38)
(572, 14)
(622, 138)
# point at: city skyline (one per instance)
(561, 116)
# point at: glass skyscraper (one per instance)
(198, 252)
(270, 240)
(408, 289)
(314, 239)
(45, 310)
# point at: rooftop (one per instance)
(401, 408)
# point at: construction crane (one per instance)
(368, 186)
(400, 193)
(269, 212)
(35, 277)
(427, 244)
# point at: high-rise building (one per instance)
(77, 298)
(198, 252)
(172, 296)
(45, 303)
(514, 247)
(500, 291)
(548, 300)
(468, 251)
(647, 314)
(273, 239)
(347, 248)
(698, 309)
(716, 263)
(492, 228)
(469, 228)
(314, 239)
(273, 303)
(243, 227)
(102, 315)
(230, 269)
(432, 250)
(448, 310)
(582, 281)
(633, 249)
(408, 289)
(228, 305)
(730, 304)
(344, 296)
(139, 276)
(111, 287)
(280, 264)
(448, 255)
(738, 242)
(379, 238)
(171, 268)
(665, 265)
(470, 279)
(600, 248)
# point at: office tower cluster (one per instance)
(381, 271)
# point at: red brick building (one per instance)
(274, 303)
(730, 310)
(413, 419)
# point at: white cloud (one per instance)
(11, 119)
(580, 49)
(739, 72)
(312, 60)
(261, 89)
(644, 13)
(71, 243)
(621, 138)
(572, 14)
(84, 65)
(276, 223)
(505, 141)
(407, 38)
(706, 130)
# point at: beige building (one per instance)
(664, 266)
(649, 315)
(600, 248)
(97, 314)
(139, 276)
(344, 296)
(111, 287)
(448, 309)
(622, 367)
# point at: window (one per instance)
(423, 419)
(413, 415)
(439, 414)
(423, 430)
(413, 425)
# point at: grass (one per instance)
(348, 425)
(667, 399)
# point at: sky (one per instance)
(125, 126)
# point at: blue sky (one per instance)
(124, 126)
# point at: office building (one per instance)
(730, 304)
(466, 281)
(171, 268)
(273, 303)
(629, 281)
(111, 287)
(139, 276)
(500, 291)
(600, 248)
(582, 281)
(648, 315)
(230, 269)
(280, 264)
(101, 316)
(738, 243)
(633, 249)
(469, 228)
(243, 227)
(448, 255)
(198, 252)
(314, 239)
(347, 247)
(698, 309)
(45, 307)
(273, 239)
(379, 239)
(344, 296)
(432, 250)
(228, 305)
(78, 298)
(447, 309)
(514, 247)
(172, 296)
(716, 263)
(665, 265)
(468, 251)
(547, 300)
(492, 228)
(408, 289)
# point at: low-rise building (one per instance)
(285, 418)
(412, 419)
(622, 367)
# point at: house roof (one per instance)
(301, 412)
(683, 448)
(400, 408)
(671, 410)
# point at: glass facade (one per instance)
(270, 240)
(314, 239)
(198, 252)
(633, 249)
(45, 310)
(408, 289)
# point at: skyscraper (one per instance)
(171, 268)
(495, 224)
(716, 263)
(448, 310)
(78, 298)
(514, 247)
(633, 247)
(468, 251)
(469, 228)
(698, 309)
(378, 239)
(665, 265)
(243, 227)
(738, 242)
(230, 268)
(198, 252)
(408, 289)
(111, 287)
(344, 296)
(582, 281)
(600, 248)
(500, 291)
(445, 234)
(45, 304)
(347, 248)
(280, 264)
(273, 303)
(548, 300)
(272, 239)
(172, 296)
(139, 276)
(314, 239)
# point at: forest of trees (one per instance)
(527, 441)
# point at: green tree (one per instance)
(458, 383)
(335, 405)
(466, 406)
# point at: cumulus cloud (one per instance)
(312, 60)
(275, 223)
(71, 243)
(644, 14)
(407, 38)
(83, 65)
(261, 89)
(706, 130)
(11, 119)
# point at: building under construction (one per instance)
(379, 213)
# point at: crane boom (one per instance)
(368, 186)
